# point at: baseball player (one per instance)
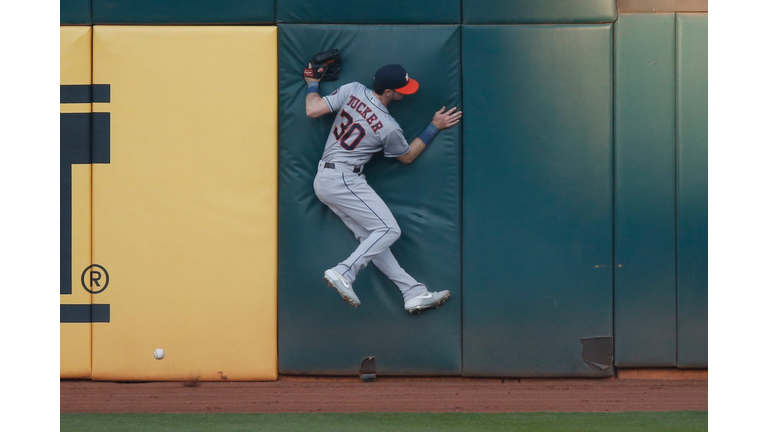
(363, 126)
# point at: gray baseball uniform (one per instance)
(362, 128)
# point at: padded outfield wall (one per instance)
(319, 334)
(566, 213)
(182, 183)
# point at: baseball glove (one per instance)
(324, 66)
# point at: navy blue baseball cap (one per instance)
(394, 77)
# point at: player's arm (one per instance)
(417, 146)
(441, 120)
(315, 104)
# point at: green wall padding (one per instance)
(317, 332)
(645, 285)
(537, 202)
(183, 11)
(75, 11)
(692, 237)
(370, 12)
(538, 11)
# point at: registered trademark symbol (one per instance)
(98, 279)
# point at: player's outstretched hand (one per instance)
(444, 119)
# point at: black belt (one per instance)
(332, 165)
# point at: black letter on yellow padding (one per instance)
(84, 139)
(84, 313)
(84, 93)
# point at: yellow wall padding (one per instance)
(185, 212)
(75, 342)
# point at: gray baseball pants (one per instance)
(362, 210)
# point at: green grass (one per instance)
(628, 421)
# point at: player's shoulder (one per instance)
(391, 121)
(355, 86)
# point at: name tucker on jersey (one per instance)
(363, 109)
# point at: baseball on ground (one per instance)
(159, 353)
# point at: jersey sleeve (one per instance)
(337, 98)
(395, 144)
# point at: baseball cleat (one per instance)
(427, 300)
(342, 286)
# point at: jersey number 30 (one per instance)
(347, 130)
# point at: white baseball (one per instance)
(159, 353)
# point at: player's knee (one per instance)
(394, 233)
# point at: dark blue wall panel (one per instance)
(692, 225)
(537, 244)
(183, 11)
(538, 11)
(317, 332)
(75, 11)
(370, 12)
(645, 282)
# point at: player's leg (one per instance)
(407, 285)
(328, 192)
(385, 261)
(364, 213)
(364, 206)
(415, 294)
(329, 188)
(360, 233)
